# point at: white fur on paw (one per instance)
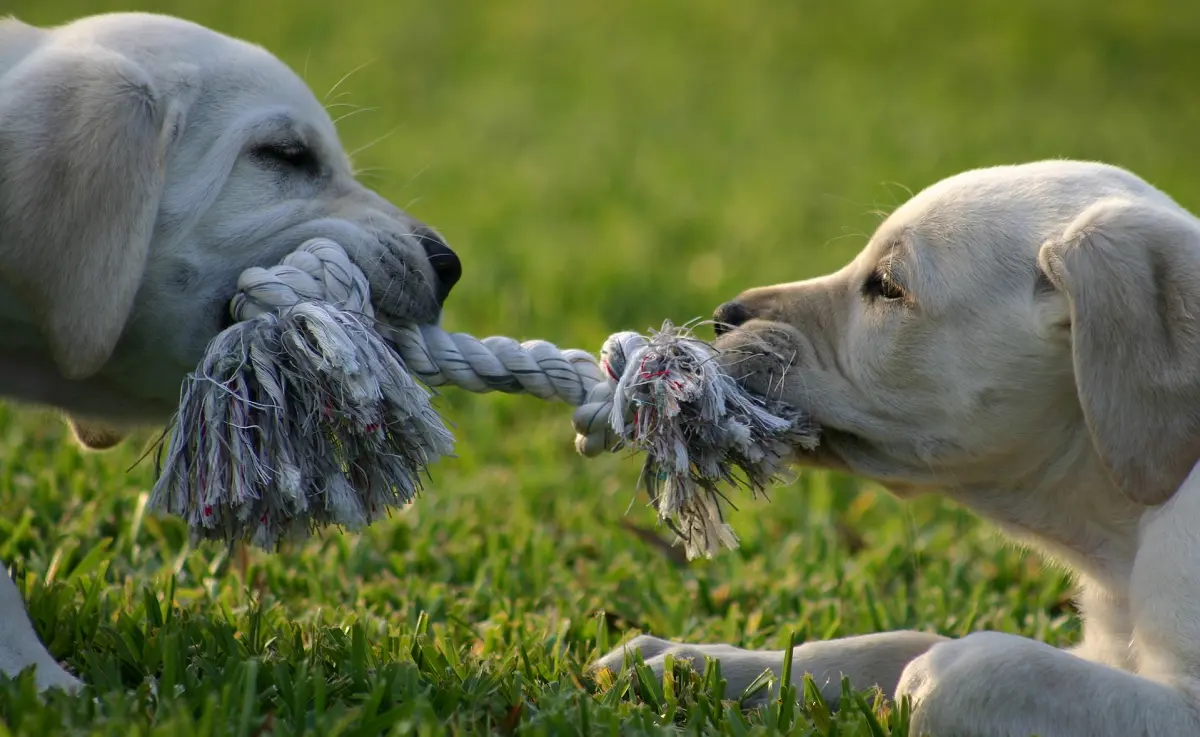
(56, 677)
(649, 647)
(739, 668)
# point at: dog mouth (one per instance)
(767, 359)
(224, 315)
(222, 309)
(764, 358)
(758, 357)
(408, 275)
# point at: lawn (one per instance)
(599, 166)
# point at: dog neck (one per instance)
(1069, 510)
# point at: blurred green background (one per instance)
(601, 166)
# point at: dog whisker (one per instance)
(345, 77)
(352, 113)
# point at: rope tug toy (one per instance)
(305, 413)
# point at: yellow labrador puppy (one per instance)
(144, 163)
(1024, 340)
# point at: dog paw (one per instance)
(58, 678)
(48, 676)
(649, 647)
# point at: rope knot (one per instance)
(318, 271)
(305, 412)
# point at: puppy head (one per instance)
(1002, 323)
(154, 161)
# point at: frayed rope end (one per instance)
(699, 429)
(301, 415)
(295, 421)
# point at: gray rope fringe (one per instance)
(305, 412)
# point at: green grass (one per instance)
(599, 166)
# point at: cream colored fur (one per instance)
(1024, 340)
(144, 163)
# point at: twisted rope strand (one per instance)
(344, 432)
(321, 270)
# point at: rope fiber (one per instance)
(305, 413)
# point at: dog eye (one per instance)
(880, 285)
(291, 155)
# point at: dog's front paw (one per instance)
(57, 677)
(47, 675)
(976, 685)
(649, 647)
(739, 668)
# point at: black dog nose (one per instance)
(728, 316)
(444, 261)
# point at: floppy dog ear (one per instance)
(83, 140)
(1131, 273)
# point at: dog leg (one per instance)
(996, 684)
(20, 646)
(993, 684)
(867, 660)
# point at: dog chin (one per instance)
(400, 276)
(758, 355)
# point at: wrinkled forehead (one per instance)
(253, 84)
(979, 213)
(236, 79)
(971, 231)
(1005, 208)
(979, 233)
